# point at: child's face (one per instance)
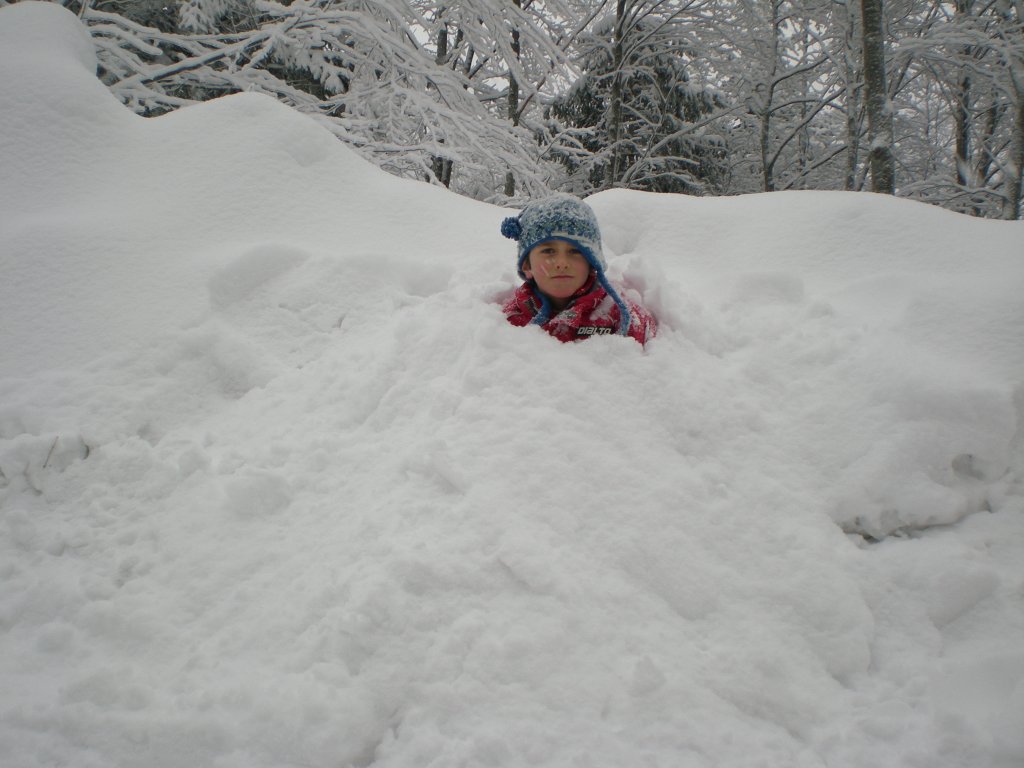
(558, 268)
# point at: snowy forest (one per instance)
(500, 100)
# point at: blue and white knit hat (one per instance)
(562, 217)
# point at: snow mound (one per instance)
(280, 486)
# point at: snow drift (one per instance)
(281, 486)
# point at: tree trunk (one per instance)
(803, 139)
(768, 165)
(880, 131)
(962, 110)
(1015, 171)
(963, 131)
(513, 102)
(852, 137)
(853, 76)
(441, 166)
(615, 107)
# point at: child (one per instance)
(566, 292)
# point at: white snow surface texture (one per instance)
(281, 487)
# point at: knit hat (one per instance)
(562, 217)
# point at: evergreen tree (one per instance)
(634, 118)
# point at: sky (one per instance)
(281, 486)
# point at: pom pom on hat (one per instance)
(511, 228)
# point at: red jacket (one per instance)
(590, 312)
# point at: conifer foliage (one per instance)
(634, 117)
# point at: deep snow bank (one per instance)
(281, 487)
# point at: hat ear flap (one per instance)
(512, 228)
(625, 316)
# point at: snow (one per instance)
(281, 487)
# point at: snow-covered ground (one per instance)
(281, 487)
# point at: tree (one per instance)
(513, 99)
(777, 61)
(876, 96)
(634, 118)
(847, 57)
(522, 44)
(959, 69)
(361, 67)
